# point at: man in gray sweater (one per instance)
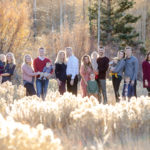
(131, 68)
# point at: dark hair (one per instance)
(122, 51)
(147, 56)
(101, 47)
(128, 47)
(41, 48)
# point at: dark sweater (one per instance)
(2, 64)
(9, 68)
(60, 71)
(103, 64)
(146, 73)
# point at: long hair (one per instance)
(24, 60)
(86, 65)
(147, 56)
(58, 59)
(13, 61)
(121, 51)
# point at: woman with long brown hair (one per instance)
(146, 73)
(85, 71)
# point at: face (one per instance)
(9, 58)
(68, 52)
(115, 61)
(42, 52)
(28, 59)
(120, 55)
(3, 58)
(94, 55)
(101, 51)
(48, 65)
(86, 60)
(92, 76)
(62, 56)
(128, 51)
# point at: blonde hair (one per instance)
(2, 56)
(24, 60)
(58, 60)
(92, 55)
(12, 58)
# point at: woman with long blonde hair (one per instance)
(9, 67)
(28, 75)
(60, 71)
(85, 71)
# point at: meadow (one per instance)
(72, 123)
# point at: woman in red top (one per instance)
(146, 73)
(85, 71)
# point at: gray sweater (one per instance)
(131, 68)
(120, 67)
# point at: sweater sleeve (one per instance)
(136, 66)
(35, 65)
(57, 71)
(120, 66)
(97, 88)
(88, 89)
(25, 70)
(145, 75)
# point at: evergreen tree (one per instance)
(116, 21)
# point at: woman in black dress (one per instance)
(9, 67)
(60, 71)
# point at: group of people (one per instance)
(93, 72)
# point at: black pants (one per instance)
(116, 84)
(148, 89)
(135, 94)
(62, 87)
(30, 90)
(70, 88)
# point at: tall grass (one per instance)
(79, 123)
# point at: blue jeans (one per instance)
(41, 87)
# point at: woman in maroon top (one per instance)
(146, 73)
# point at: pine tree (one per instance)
(116, 21)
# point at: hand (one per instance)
(112, 68)
(132, 82)
(49, 76)
(38, 73)
(146, 83)
(72, 82)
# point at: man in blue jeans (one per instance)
(131, 68)
(39, 64)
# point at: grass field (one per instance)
(72, 123)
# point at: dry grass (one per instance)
(79, 123)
